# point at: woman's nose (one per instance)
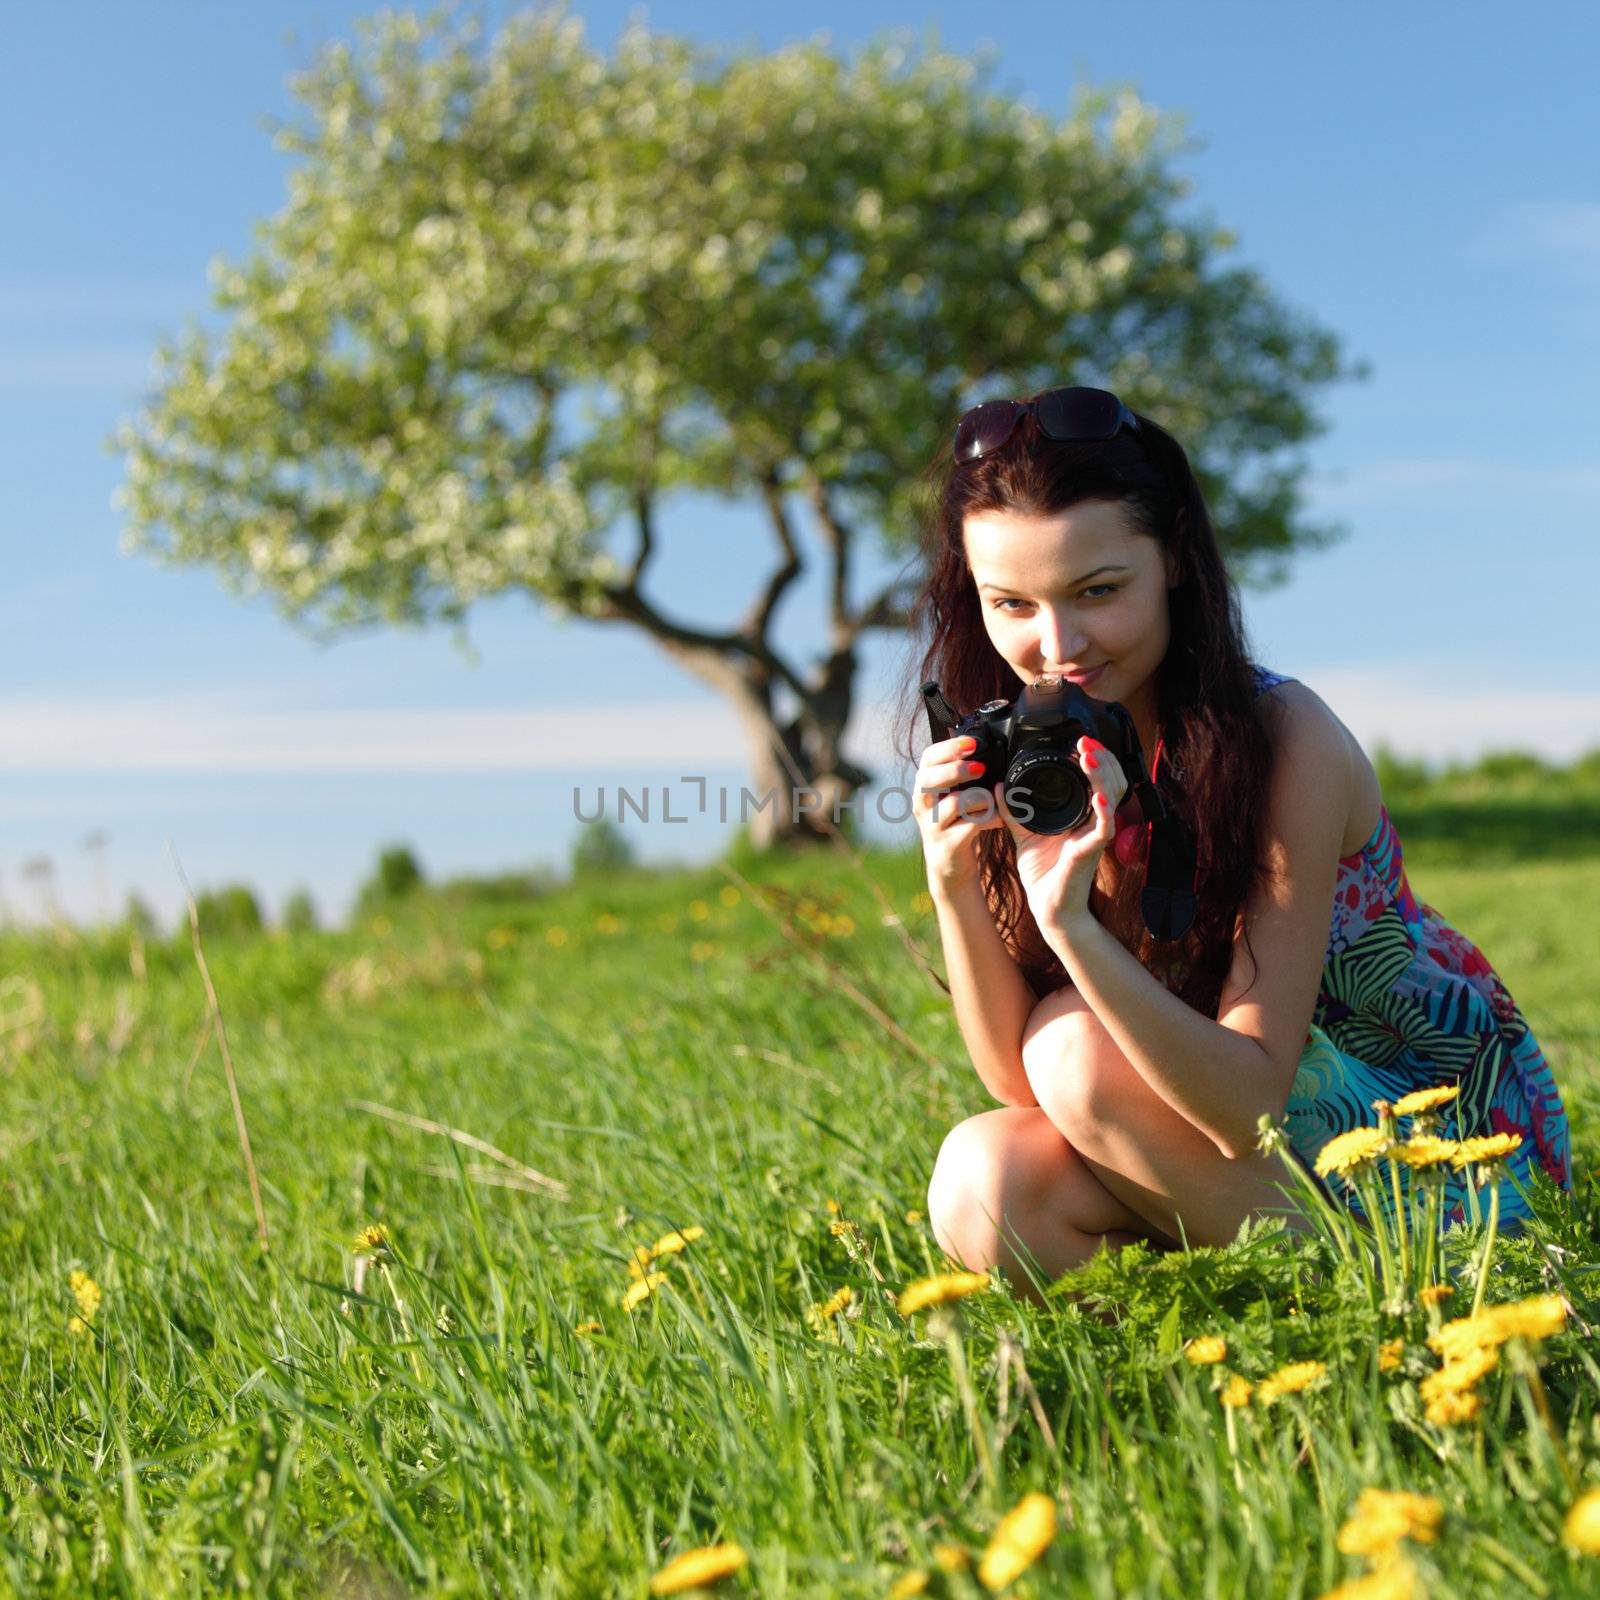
(1057, 637)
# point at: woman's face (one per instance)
(1071, 592)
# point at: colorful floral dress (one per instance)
(1407, 1002)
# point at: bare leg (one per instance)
(1007, 1186)
(1157, 1163)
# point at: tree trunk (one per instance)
(800, 780)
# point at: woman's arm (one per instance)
(991, 997)
(1222, 1075)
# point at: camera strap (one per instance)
(1168, 902)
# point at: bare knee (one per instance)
(1006, 1186)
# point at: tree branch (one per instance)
(761, 612)
(838, 538)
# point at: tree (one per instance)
(601, 846)
(232, 909)
(396, 875)
(776, 278)
(300, 912)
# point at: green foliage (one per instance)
(771, 269)
(397, 874)
(300, 912)
(139, 919)
(601, 846)
(228, 911)
(1399, 775)
(497, 888)
(671, 1059)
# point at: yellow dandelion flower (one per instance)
(951, 1558)
(1491, 1147)
(1238, 1392)
(1346, 1153)
(1426, 1099)
(922, 901)
(555, 936)
(842, 927)
(1581, 1530)
(841, 1227)
(702, 950)
(1435, 1292)
(908, 1584)
(586, 1328)
(85, 1291)
(1461, 1373)
(607, 923)
(699, 910)
(820, 1315)
(1424, 1150)
(942, 1286)
(76, 1325)
(1206, 1350)
(913, 1217)
(1395, 1581)
(696, 1568)
(1389, 1354)
(1383, 1517)
(837, 1302)
(1448, 1409)
(1536, 1318)
(499, 938)
(643, 1289)
(832, 1207)
(1291, 1379)
(728, 895)
(669, 1244)
(1020, 1539)
(372, 1240)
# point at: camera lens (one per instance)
(1053, 786)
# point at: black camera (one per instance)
(1034, 741)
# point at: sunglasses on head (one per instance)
(1063, 414)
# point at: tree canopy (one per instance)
(521, 295)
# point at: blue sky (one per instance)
(1419, 178)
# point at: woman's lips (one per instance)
(1086, 677)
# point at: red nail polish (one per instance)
(1090, 763)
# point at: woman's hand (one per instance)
(1058, 869)
(950, 822)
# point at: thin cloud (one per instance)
(1561, 234)
(1436, 711)
(1373, 482)
(206, 735)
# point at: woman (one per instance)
(1071, 538)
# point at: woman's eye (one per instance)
(1088, 594)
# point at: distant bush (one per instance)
(232, 909)
(498, 888)
(300, 913)
(139, 919)
(1399, 774)
(601, 847)
(397, 874)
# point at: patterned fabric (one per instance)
(1407, 1002)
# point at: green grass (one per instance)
(234, 1421)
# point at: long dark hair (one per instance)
(1216, 759)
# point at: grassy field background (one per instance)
(765, 1061)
